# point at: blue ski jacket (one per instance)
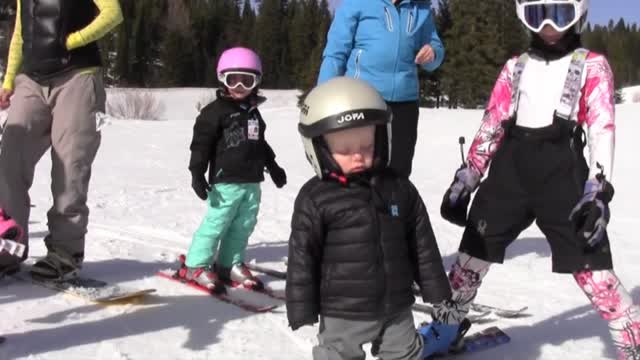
(377, 41)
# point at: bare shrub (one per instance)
(205, 99)
(134, 104)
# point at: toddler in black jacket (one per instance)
(360, 235)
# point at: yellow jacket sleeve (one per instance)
(15, 53)
(110, 16)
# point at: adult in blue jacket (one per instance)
(383, 42)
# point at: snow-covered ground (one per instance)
(143, 213)
(631, 94)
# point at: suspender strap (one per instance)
(570, 91)
(515, 83)
(572, 84)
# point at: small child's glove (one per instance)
(456, 199)
(278, 175)
(200, 186)
(591, 215)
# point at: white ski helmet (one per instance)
(338, 104)
(561, 14)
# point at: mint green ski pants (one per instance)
(232, 214)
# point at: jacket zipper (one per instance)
(395, 66)
(388, 17)
(357, 74)
(410, 21)
(380, 255)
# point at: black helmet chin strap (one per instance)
(327, 163)
(569, 42)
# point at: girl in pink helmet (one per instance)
(546, 106)
(229, 144)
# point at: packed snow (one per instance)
(143, 213)
(631, 95)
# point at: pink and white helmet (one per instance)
(239, 59)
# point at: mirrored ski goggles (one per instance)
(233, 79)
(559, 15)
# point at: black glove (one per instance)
(456, 200)
(278, 175)
(200, 186)
(591, 215)
(304, 322)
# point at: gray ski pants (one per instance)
(342, 339)
(59, 114)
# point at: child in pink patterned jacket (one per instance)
(532, 134)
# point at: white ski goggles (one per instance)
(233, 79)
(561, 15)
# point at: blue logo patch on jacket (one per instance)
(394, 211)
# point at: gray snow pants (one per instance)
(59, 114)
(342, 339)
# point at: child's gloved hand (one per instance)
(200, 186)
(278, 175)
(456, 199)
(591, 215)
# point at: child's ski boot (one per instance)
(202, 276)
(440, 338)
(240, 275)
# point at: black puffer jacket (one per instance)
(356, 249)
(45, 27)
(228, 139)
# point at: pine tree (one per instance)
(481, 39)
(247, 37)
(431, 87)
(178, 53)
(322, 22)
(269, 40)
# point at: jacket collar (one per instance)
(251, 102)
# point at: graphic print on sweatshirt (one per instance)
(234, 135)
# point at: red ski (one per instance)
(222, 297)
(261, 290)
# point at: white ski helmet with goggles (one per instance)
(338, 104)
(562, 15)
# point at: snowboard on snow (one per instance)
(89, 289)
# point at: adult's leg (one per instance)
(404, 135)
(24, 141)
(76, 100)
